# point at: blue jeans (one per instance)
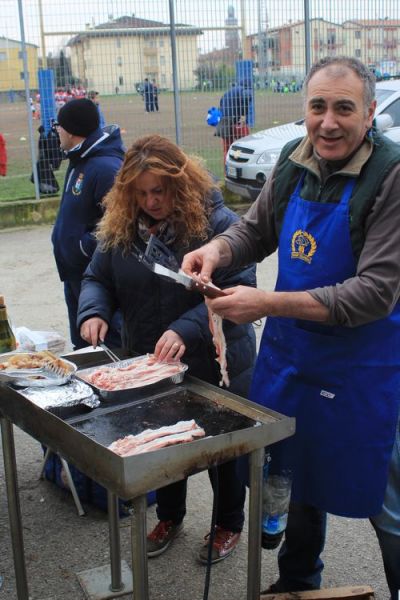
(299, 561)
(387, 523)
(300, 565)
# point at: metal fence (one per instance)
(187, 53)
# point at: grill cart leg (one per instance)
(14, 508)
(139, 549)
(96, 582)
(115, 549)
(255, 515)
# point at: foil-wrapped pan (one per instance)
(68, 395)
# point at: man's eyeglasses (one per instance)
(56, 124)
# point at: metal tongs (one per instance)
(159, 259)
(108, 351)
(48, 372)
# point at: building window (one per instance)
(119, 61)
(161, 43)
(22, 75)
(121, 80)
(357, 53)
(162, 60)
(20, 55)
(118, 42)
(3, 55)
(357, 35)
(331, 37)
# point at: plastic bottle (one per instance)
(276, 499)
(7, 337)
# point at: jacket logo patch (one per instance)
(304, 245)
(77, 187)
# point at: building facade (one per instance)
(115, 56)
(282, 49)
(12, 66)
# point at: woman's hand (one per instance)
(93, 330)
(170, 347)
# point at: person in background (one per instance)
(330, 351)
(3, 156)
(95, 156)
(234, 106)
(155, 95)
(162, 191)
(95, 97)
(148, 96)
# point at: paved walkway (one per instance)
(58, 543)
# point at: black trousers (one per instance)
(171, 500)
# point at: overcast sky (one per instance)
(73, 15)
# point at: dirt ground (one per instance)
(59, 543)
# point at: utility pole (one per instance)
(243, 29)
(42, 36)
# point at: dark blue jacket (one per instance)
(90, 175)
(235, 102)
(150, 305)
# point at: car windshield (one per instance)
(381, 95)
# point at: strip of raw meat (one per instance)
(151, 434)
(167, 440)
(218, 336)
(153, 439)
(143, 371)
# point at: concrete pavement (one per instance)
(58, 543)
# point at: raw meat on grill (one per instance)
(154, 439)
(144, 371)
(217, 332)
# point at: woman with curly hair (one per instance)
(162, 191)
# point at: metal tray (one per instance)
(31, 381)
(110, 395)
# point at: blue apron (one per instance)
(341, 383)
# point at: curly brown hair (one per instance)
(185, 177)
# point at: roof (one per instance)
(9, 43)
(131, 25)
(381, 23)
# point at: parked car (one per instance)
(250, 160)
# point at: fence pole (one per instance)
(307, 36)
(28, 104)
(175, 78)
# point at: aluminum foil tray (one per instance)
(109, 395)
(35, 380)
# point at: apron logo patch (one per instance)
(304, 245)
(327, 394)
(77, 187)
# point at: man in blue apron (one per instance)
(330, 351)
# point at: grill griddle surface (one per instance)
(183, 405)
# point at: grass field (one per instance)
(128, 111)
